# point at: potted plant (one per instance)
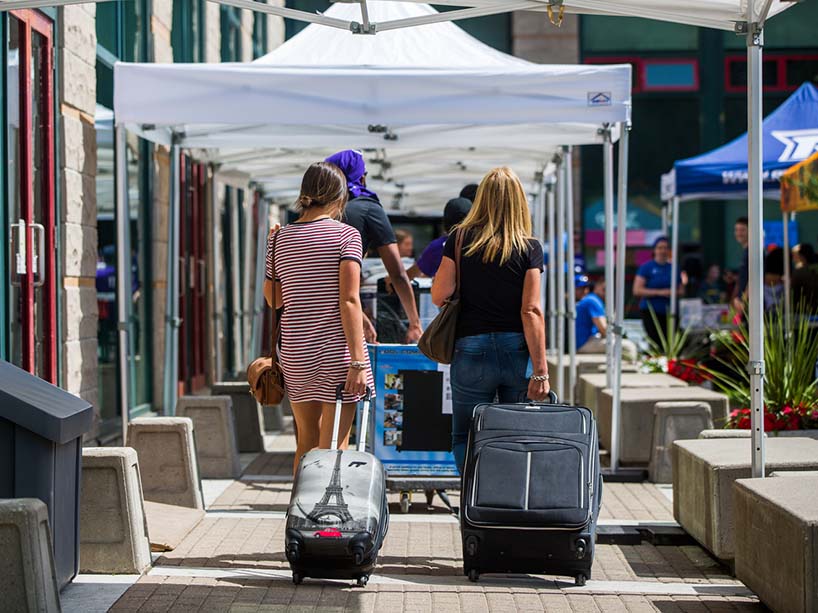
(672, 354)
(790, 384)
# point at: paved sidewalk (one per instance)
(234, 561)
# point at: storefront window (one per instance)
(188, 35)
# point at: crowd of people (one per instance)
(313, 274)
(488, 256)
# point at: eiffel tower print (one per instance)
(335, 492)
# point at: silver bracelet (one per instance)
(544, 377)
(358, 365)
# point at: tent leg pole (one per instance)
(756, 244)
(664, 218)
(171, 294)
(215, 277)
(123, 277)
(617, 328)
(560, 273)
(235, 279)
(608, 170)
(571, 292)
(787, 274)
(552, 277)
(674, 261)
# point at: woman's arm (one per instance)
(352, 322)
(640, 291)
(445, 281)
(534, 330)
(268, 293)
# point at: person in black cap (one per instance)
(469, 192)
(427, 264)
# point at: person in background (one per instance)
(469, 192)
(317, 265)
(500, 326)
(592, 326)
(712, 290)
(427, 264)
(652, 286)
(774, 279)
(365, 213)
(406, 243)
(581, 287)
(730, 279)
(805, 278)
(741, 233)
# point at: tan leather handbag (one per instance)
(264, 374)
(437, 341)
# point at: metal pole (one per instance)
(617, 329)
(235, 273)
(215, 277)
(674, 261)
(248, 282)
(571, 293)
(664, 218)
(608, 170)
(550, 199)
(755, 41)
(560, 279)
(123, 277)
(171, 369)
(787, 274)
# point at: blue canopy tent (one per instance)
(789, 134)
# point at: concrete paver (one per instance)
(233, 561)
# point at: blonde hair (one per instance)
(499, 219)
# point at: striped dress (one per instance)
(313, 350)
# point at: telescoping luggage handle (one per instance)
(336, 424)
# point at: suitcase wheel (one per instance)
(362, 581)
(298, 578)
(474, 575)
(580, 580)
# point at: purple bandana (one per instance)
(353, 166)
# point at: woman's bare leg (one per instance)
(307, 417)
(327, 417)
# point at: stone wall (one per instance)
(78, 223)
(213, 34)
(162, 51)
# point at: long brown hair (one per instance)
(499, 220)
(323, 185)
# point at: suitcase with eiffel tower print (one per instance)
(338, 515)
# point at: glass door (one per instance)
(31, 211)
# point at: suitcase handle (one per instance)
(336, 423)
(552, 398)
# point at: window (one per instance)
(657, 74)
(261, 40)
(188, 31)
(231, 34)
(602, 34)
(781, 73)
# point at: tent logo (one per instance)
(798, 144)
(599, 98)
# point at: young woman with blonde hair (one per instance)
(500, 326)
(317, 263)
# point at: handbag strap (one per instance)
(274, 326)
(458, 248)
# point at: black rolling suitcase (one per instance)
(338, 515)
(531, 491)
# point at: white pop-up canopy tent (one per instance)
(745, 17)
(475, 97)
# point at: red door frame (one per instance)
(192, 177)
(28, 21)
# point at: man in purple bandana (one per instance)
(365, 213)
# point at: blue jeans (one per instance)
(485, 367)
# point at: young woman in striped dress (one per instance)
(318, 272)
